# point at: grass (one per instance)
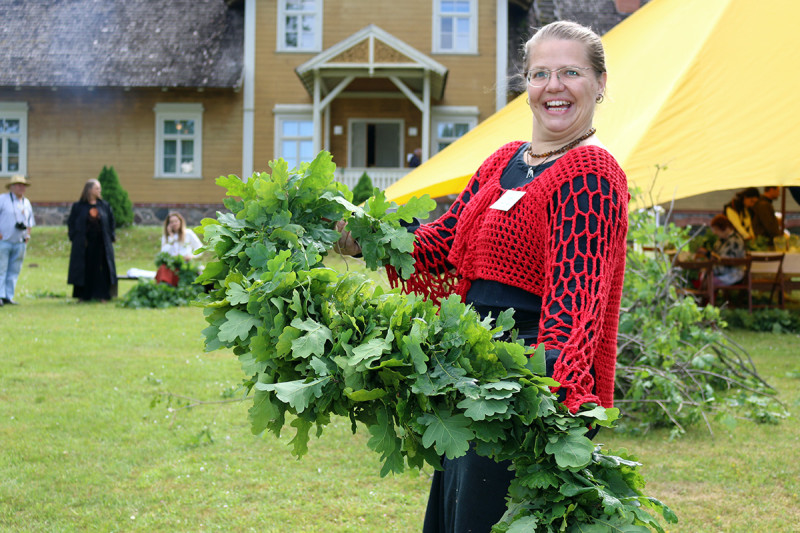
(81, 448)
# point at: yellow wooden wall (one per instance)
(74, 132)
(470, 80)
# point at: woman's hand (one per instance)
(346, 245)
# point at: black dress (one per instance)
(469, 494)
(92, 270)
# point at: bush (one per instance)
(149, 293)
(675, 365)
(116, 196)
(771, 320)
(363, 189)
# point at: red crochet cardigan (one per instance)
(573, 257)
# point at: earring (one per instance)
(599, 98)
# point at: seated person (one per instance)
(739, 212)
(729, 244)
(178, 239)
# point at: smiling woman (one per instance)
(540, 229)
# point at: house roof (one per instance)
(373, 53)
(135, 43)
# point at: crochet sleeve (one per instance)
(434, 276)
(584, 236)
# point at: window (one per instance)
(450, 123)
(455, 26)
(13, 138)
(294, 134)
(300, 25)
(179, 140)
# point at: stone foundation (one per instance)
(143, 215)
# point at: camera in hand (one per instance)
(20, 226)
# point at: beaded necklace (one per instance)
(564, 148)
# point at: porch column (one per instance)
(316, 113)
(426, 116)
(501, 56)
(248, 89)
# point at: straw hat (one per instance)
(17, 179)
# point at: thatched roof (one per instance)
(121, 43)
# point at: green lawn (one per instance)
(81, 448)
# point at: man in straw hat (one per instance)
(16, 221)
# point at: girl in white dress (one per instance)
(178, 239)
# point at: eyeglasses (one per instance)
(539, 77)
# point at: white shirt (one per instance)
(12, 210)
(173, 246)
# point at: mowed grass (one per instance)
(81, 448)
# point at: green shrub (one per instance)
(363, 189)
(675, 365)
(152, 294)
(116, 196)
(771, 320)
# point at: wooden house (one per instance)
(174, 94)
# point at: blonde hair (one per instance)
(180, 230)
(570, 31)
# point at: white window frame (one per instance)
(289, 112)
(453, 114)
(281, 33)
(170, 111)
(18, 111)
(472, 16)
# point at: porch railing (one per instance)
(380, 177)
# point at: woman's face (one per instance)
(750, 202)
(95, 191)
(174, 224)
(563, 108)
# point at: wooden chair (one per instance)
(704, 292)
(744, 286)
(768, 276)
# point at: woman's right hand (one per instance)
(346, 245)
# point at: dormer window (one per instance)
(455, 26)
(299, 25)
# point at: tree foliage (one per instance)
(363, 189)
(116, 196)
(675, 366)
(424, 380)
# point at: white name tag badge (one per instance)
(507, 201)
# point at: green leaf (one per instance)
(537, 362)
(481, 408)
(364, 395)
(262, 412)
(211, 271)
(313, 341)
(238, 325)
(525, 524)
(298, 393)
(571, 451)
(364, 354)
(300, 441)
(384, 441)
(237, 294)
(449, 434)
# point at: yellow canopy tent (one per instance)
(707, 88)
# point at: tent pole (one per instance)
(783, 209)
